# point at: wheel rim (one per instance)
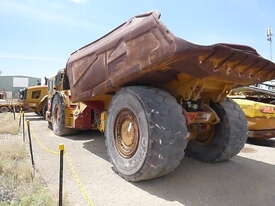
(205, 136)
(4, 109)
(56, 114)
(126, 133)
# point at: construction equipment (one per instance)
(4, 104)
(155, 96)
(34, 98)
(8, 105)
(258, 105)
(3, 95)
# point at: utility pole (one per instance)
(269, 39)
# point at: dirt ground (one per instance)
(247, 180)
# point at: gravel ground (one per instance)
(247, 180)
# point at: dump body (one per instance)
(143, 51)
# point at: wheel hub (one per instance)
(202, 133)
(126, 133)
(57, 114)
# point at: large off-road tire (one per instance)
(145, 133)
(58, 117)
(44, 109)
(4, 109)
(50, 125)
(228, 138)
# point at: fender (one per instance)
(43, 99)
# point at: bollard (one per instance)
(19, 124)
(13, 111)
(30, 143)
(61, 149)
(23, 125)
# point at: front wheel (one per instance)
(58, 117)
(145, 134)
(229, 135)
(44, 109)
(4, 109)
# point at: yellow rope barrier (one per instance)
(74, 173)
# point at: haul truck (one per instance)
(156, 97)
(34, 98)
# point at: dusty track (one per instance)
(248, 179)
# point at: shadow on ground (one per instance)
(38, 118)
(262, 142)
(241, 181)
(96, 145)
(33, 117)
(27, 114)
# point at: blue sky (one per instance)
(36, 37)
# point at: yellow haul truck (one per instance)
(258, 106)
(156, 97)
(34, 98)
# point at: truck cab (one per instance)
(34, 99)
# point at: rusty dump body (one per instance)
(142, 51)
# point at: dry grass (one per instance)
(18, 186)
(7, 124)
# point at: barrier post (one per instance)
(23, 125)
(19, 123)
(30, 143)
(13, 111)
(61, 150)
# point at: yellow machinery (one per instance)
(35, 99)
(156, 96)
(259, 109)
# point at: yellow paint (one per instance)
(69, 117)
(261, 123)
(103, 119)
(254, 109)
(256, 119)
(35, 103)
(190, 88)
(61, 147)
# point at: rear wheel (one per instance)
(4, 109)
(145, 134)
(228, 136)
(50, 125)
(44, 109)
(58, 117)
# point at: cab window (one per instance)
(36, 94)
(22, 94)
